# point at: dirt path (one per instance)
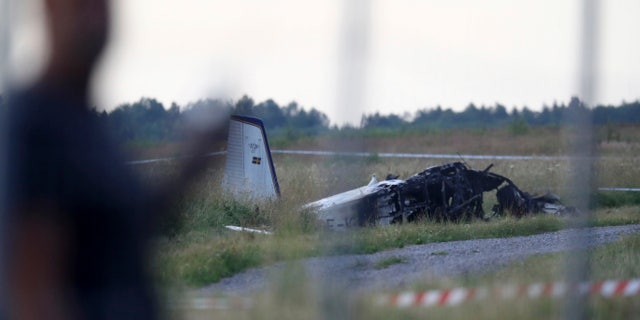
(359, 272)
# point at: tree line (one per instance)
(149, 120)
(496, 116)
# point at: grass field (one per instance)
(613, 261)
(195, 249)
(294, 298)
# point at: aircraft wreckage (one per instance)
(450, 192)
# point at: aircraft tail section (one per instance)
(249, 171)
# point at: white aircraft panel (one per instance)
(249, 171)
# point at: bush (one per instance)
(519, 127)
(612, 199)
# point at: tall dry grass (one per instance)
(195, 249)
(202, 212)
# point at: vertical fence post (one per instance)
(5, 17)
(580, 135)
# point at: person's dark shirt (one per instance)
(59, 155)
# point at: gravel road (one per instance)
(359, 272)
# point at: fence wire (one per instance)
(351, 89)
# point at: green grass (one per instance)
(619, 260)
(614, 199)
(293, 296)
(387, 262)
(196, 250)
(201, 257)
(616, 216)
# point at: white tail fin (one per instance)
(249, 172)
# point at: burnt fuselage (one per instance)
(450, 192)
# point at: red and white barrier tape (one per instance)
(452, 297)
(213, 303)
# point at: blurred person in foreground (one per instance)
(77, 221)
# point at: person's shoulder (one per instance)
(42, 103)
(34, 96)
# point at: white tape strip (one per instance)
(456, 296)
(210, 303)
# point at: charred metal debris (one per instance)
(449, 192)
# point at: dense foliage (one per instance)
(148, 120)
(473, 116)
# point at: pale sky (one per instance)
(417, 54)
